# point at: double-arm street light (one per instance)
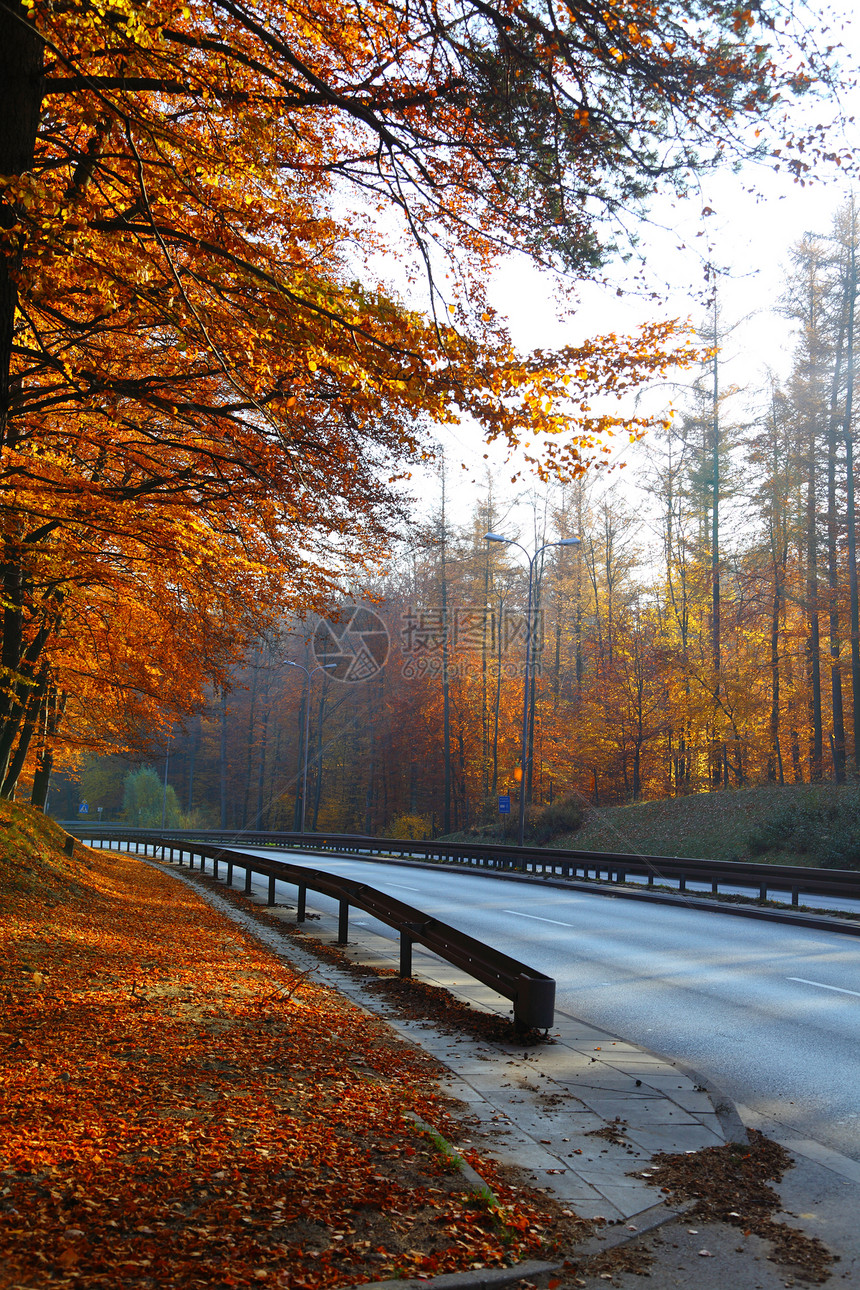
(498, 537)
(323, 667)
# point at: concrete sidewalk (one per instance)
(582, 1117)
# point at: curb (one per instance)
(473, 1280)
(648, 1220)
(733, 1127)
(470, 1175)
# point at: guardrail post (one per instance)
(301, 905)
(682, 883)
(215, 866)
(405, 954)
(795, 896)
(271, 897)
(247, 879)
(762, 891)
(343, 922)
(534, 1004)
(69, 846)
(229, 873)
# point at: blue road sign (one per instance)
(505, 805)
(83, 808)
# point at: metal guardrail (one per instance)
(761, 879)
(532, 993)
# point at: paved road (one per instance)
(770, 1013)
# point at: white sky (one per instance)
(751, 233)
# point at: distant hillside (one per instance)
(801, 824)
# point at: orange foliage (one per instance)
(203, 385)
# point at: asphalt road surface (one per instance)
(769, 1013)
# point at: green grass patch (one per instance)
(802, 824)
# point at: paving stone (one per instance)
(684, 1137)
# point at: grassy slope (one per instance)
(33, 866)
(712, 826)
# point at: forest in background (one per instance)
(244, 268)
(703, 635)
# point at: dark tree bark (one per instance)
(21, 91)
(54, 706)
(30, 714)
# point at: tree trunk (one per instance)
(261, 773)
(222, 763)
(774, 764)
(21, 90)
(193, 745)
(578, 615)
(446, 686)
(249, 760)
(838, 743)
(816, 749)
(55, 707)
(716, 636)
(485, 677)
(318, 759)
(851, 516)
(532, 629)
(498, 698)
(31, 713)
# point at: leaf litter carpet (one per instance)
(178, 1107)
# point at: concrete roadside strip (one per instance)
(581, 1117)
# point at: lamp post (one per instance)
(498, 537)
(323, 667)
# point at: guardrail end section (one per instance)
(534, 1002)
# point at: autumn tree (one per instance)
(198, 363)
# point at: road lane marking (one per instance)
(519, 914)
(402, 887)
(836, 988)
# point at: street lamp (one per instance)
(323, 667)
(499, 537)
